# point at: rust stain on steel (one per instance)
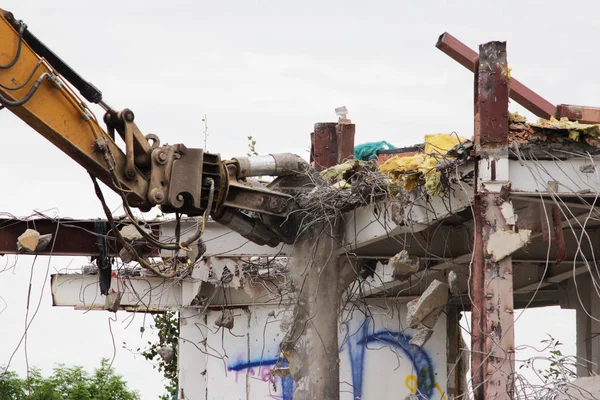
(583, 114)
(477, 298)
(520, 93)
(457, 50)
(498, 321)
(557, 232)
(491, 281)
(345, 141)
(558, 235)
(493, 91)
(324, 145)
(69, 237)
(331, 143)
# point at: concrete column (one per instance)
(312, 342)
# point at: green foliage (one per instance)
(67, 383)
(559, 368)
(167, 325)
(251, 147)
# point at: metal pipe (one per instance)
(270, 165)
(250, 228)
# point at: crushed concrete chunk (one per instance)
(421, 335)
(166, 353)
(402, 264)
(453, 283)
(508, 212)
(225, 320)
(130, 233)
(31, 241)
(427, 308)
(502, 244)
(113, 301)
(125, 255)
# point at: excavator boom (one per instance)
(39, 87)
(31, 88)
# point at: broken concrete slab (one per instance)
(427, 308)
(421, 335)
(403, 264)
(31, 241)
(502, 244)
(453, 283)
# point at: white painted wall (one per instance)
(376, 360)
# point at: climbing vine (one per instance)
(251, 147)
(165, 351)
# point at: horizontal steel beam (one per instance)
(149, 294)
(69, 237)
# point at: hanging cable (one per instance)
(122, 240)
(28, 96)
(14, 61)
(37, 66)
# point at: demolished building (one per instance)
(392, 251)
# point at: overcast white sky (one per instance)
(269, 69)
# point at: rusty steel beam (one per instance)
(69, 237)
(491, 278)
(583, 114)
(520, 93)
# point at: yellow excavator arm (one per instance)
(33, 90)
(39, 87)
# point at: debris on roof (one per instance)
(552, 131)
(368, 151)
(421, 168)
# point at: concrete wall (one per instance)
(377, 362)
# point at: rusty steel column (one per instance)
(477, 268)
(344, 133)
(331, 143)
(493, 305)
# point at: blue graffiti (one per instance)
(357, 345)
(362, 336)
(421, 361)
(287, 382)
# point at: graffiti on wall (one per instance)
(262, 369)
(421, 382)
